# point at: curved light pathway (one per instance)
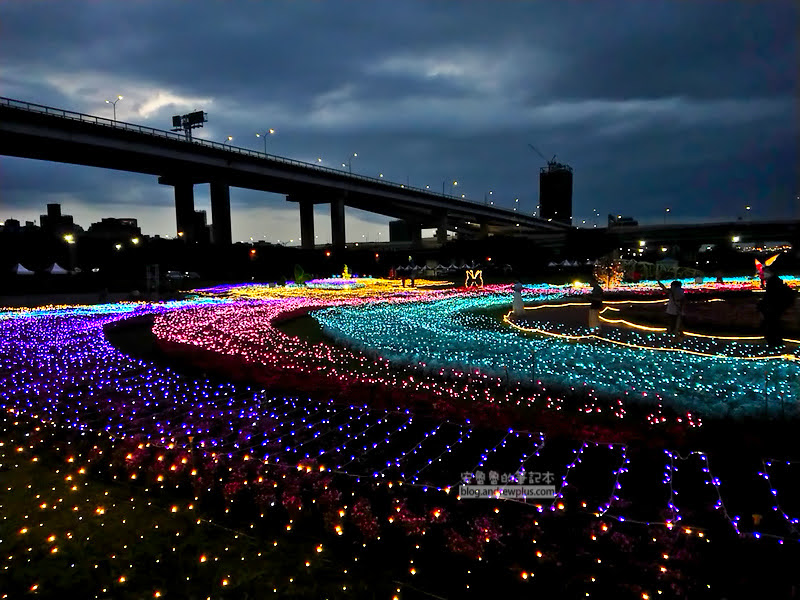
(453, 330)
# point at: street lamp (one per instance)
(666, 212)
(747, 208)
(349, 164)
(70, 240)
(227, 140)
(516, 203)
(486, 197)
(264, 135)
(455, 183)
(114, 104)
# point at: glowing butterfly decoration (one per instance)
(767, 263)
(474, 278)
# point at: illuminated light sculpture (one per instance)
(335, 283)
(609, 271)
(474, 278)
(760, 267)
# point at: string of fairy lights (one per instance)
(699, 375)
(57, 367)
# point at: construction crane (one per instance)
(549, 162)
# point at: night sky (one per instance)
(686, 105)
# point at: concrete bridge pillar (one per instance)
(221, 214)
(441, 230)
(484, 232)
(337, 223)
(415, 229)
(307, 224)
(184, 211)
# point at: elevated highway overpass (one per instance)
(40, 132)
(725, 233)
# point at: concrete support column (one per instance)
(337, 223)
(484, 233)
(441, 230)
(221, 214)
(306, 224)
(184, 211)
(415, 229)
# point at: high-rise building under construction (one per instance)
(555, 192)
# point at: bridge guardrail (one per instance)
(76, 116)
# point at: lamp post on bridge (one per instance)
(264, 135)
(455, 183)
(227, 140)
(114, 104)
(349, 164)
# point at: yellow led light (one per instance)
(507, 320)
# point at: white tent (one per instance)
(56, 269)
(20, 270)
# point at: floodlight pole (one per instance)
(114, 104)
(264, 135)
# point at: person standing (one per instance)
(675, 301)
(595, 305)
(778, 297)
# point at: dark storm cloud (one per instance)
(691, 103)
(699, 49)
